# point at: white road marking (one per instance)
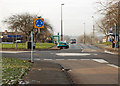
(47, 59)
(100, 60)
(85, 59)
(109, 52)
(72, 54)
(71, 59)
(15, 51)
(95, 54)
(112, 65)
(36, 59)
(59, 59)
(51, 53)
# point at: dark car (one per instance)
(73, 41)
(63, 44)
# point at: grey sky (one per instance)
(75, 13)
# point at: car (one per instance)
(62, 44)
(19, 41)
(73, 41)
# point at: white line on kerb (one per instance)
(112, 65)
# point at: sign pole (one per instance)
(32, 47)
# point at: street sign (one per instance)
(38, 23)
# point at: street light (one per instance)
(61, 24)
(93, 31)
(84, 33)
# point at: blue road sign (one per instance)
(39, 23)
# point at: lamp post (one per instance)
(61, 24)
(93, 31)
(84, 33)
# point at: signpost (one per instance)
(38, 23)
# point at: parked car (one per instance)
(19, 41)
(63, 44)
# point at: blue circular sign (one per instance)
(39, 23)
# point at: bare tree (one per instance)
(88, 39)
(67, 38)
(109, 10)
(24, 23)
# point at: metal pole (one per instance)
(118, 21)
(16, 38)
(32, 46)
(84, 33)
(93, 31)
(61, 24)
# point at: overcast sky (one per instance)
(75, 13)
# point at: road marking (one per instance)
(95, 54)
(109, 52)
(112, 65)
(71, 59)
(72, 54)
(100, 60)
(15, 51)
(36, 59)
(59, 59)
(47, 59)
(51, 53)
(85, 59)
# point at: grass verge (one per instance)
(24, 46)
(13, 70)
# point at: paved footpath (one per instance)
(44, 72)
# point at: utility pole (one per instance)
(93, 31)
(84, 33)
(61, 24)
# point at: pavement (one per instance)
(45, 72)
(90, 72)
(108, 48)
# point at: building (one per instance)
(11, 36)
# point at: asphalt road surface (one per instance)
(87, 63)
(76, 51)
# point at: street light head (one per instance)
(62, 4)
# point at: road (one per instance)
(76, 51)
(88, 64)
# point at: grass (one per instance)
(13, 70)
(24, 45)
(108, 43)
